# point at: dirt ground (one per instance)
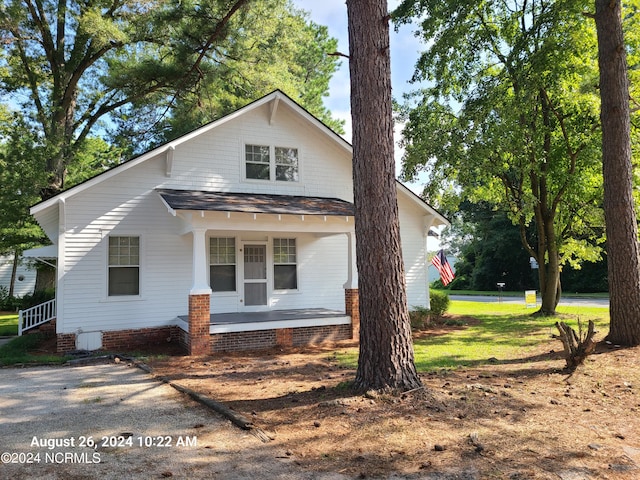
(514, 418)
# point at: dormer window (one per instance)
(263, 162)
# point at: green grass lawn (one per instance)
(8, 324)
(505, 332)
(17, 351)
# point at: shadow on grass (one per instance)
(23, 350)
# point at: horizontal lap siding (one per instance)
(413, 252)
(124, 205)
(215, 160)
(322, 272)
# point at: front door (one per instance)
(255, 275)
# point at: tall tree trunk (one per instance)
(623, 255)
(386, 349)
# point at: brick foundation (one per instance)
(352, 308)
(123, 340)
(265, 339)
(199, 342)
(284, 337)
(136, 339)
(320, 335)
(65, 342)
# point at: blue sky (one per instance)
(405, 48)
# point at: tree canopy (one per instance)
(99, 67)
(511, 118)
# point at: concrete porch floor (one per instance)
(294, 318)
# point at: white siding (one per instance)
(21, 287)
(215, 160)
(321, 270)
(126, 204)
(412, 232)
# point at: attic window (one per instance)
(263, 162)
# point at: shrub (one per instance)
(439, 303)
(419, 317)
(7, 302)
(36, 298)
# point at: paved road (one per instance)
(584, 302)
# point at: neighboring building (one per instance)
(238, 235)
(25, 276)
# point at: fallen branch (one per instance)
(577, 346)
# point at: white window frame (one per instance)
(211, 264)
(276, 263)
(140, 266)
(273, 165)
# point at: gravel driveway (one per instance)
(113, 421)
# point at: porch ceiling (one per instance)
(255, 203)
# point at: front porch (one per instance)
(270, 320)
(203, 333)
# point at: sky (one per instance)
(405, 50)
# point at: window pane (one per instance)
(223, 278)
(285, 277)
(124, 281)
(257, 153)
(284, 250)
(124, 251)
(258, 171)
(286, 174)
(286, 164)
(222, 251)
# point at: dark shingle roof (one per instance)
(254, 203)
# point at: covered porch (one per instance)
(228, 332)
(273, 319)
(267, 270)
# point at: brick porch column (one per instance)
(199, 298)
(352, 308)
(351, 296)
(284, 337)
(199, 319)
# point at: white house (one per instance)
(238, 235)
(25, 276)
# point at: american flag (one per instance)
(440, 261)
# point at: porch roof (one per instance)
(254, 203)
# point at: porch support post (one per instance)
(199, 298)
(351, 298)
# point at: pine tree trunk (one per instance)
(386, 349)
(623, 255)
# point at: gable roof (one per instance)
(275, 97)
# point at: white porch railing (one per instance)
(34, 316)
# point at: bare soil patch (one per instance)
(515, 418)
(519, 418)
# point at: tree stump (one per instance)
(577, 346)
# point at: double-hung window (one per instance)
(222, 264)
(285, 269)
(263, 162)
(286, 164)
(124, 265)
